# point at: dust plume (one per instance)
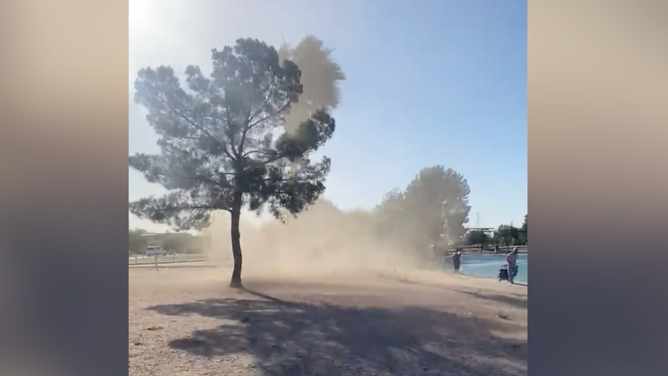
(321, 240)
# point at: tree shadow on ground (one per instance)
(297, 338)
(498, 298)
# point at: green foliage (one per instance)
(137, 242)
(229, 141)
(178, 242)
(221, 148)
(505, 234)
(524, 231)
(389, 215)
(433, 208)
(524, 225)
(476, 238)
(509, 235)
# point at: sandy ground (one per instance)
(186, 321)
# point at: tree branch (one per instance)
(249, 125)
(279, 111)
(265, 152)
(198, 126)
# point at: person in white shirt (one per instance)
(511, 259)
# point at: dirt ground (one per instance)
(186, 321)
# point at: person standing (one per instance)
(511, 259)
(457, 260)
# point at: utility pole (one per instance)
(477, 220)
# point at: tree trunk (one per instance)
(236, 242)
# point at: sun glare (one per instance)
(139, 26)
(137, 14)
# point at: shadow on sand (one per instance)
(498, 298)
(297, 338)
(512, 300)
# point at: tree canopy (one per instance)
(524, 230)
(477, 238)
(222, 141)
(430, 212)
(510, 235)
(137, 243)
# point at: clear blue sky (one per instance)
(429, 82)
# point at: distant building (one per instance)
(486, 230)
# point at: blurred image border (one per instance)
(596, 99)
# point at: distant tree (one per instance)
(221, 142)
(477, 237)
(524, 224)
(319, 79)
(524, 230)
(389, 215)
(507, 235)
(436, 203)
(177, 242)
(137, 242)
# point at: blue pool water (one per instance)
(487, 266)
